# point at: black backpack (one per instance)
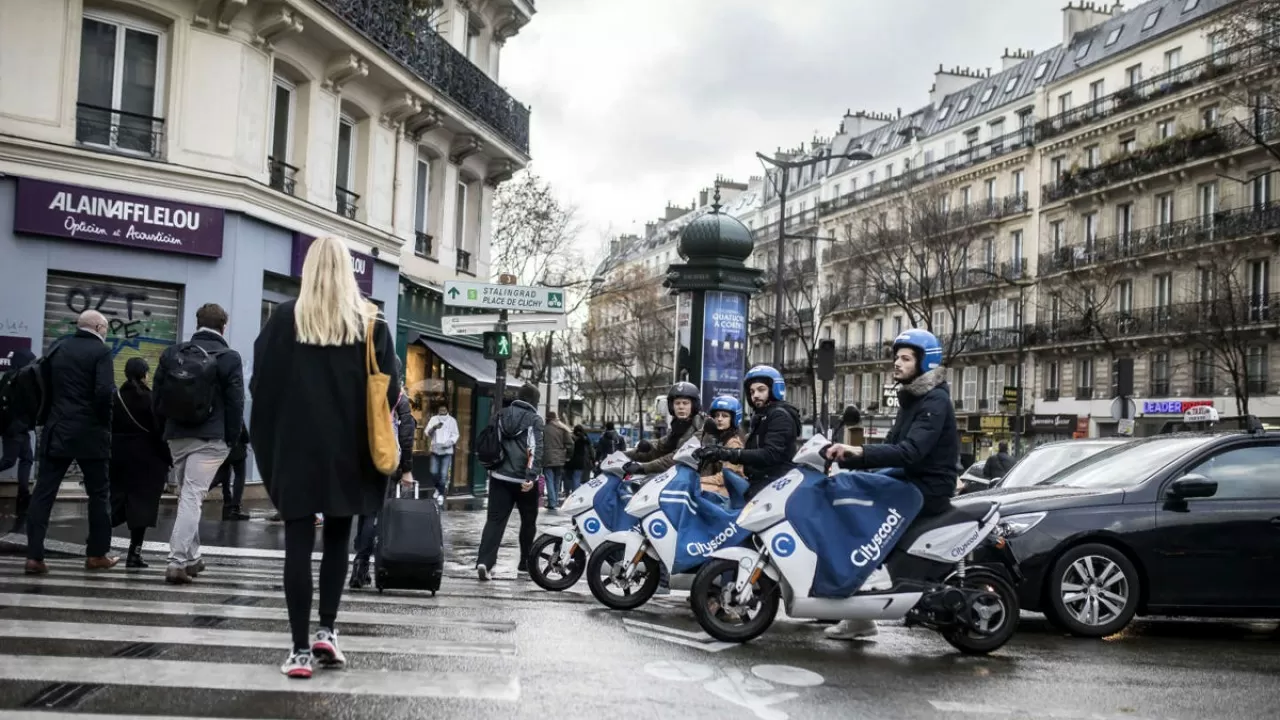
(24, 395)
(191, 384)
(489, 449)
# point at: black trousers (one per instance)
(96, 485)
(503, 498)
(299, 542)
(17, 451)
(232, 491)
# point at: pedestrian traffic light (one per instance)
(497, 345)
(826, 365)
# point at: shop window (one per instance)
(119, 101)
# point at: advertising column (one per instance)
(724, 345)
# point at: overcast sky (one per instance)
(637, 103)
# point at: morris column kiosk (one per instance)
(713, 286)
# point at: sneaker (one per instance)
(176, 575)
(852, 630)
(523, 566)
(195, 568)
(324, 648)
(298, 665)
(482, 572)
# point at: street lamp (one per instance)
(855, 154)
(1022, 284)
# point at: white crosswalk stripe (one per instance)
(63, 629)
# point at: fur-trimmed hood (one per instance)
(919, 387)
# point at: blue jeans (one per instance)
(553, 475)
(575, 480)
(442, 468)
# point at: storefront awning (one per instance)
(469, 362)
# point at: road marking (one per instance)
(159, 634)
(233, 612)
(1039, 712)
(788, 675)
(228, 572)
(42, 715)
(697, 640)
(50, 545)
(257, 678)
(677, 671)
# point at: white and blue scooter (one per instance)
(624, 571)
(926, 578)
(596, 509)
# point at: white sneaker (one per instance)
(852, 630)
(324, 648)
(298, 665)
(879, 580)
(482, 572)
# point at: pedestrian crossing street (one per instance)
(82, 644)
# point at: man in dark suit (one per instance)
(78, 429)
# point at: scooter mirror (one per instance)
(810, 454)
(684, 455)
(612, 465)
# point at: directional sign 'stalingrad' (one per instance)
(504, 297)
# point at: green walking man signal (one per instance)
(497, 345)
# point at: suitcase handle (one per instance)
(399, 487)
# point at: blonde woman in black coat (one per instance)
(310, 436)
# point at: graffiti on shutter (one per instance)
(143, 317)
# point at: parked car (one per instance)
(1185, 524)
(973, 478)
(1050, 458)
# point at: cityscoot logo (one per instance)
(698, 549)
(870, 552)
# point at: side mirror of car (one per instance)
(1193, 486)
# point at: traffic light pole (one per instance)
(500, 369)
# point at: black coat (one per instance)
(923, 441)
(610, 443)
(81, 393)
(308, 426)
(771, 445)
(997, 466)
(21, 358)
(228, 405)
(521, 429)
(140, 459)
(581, 457)
(404, 415)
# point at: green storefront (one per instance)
(450, 370)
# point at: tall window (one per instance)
(472, 42)
(1208, 200)
(1133, 74)
(282, 174)
(1090, 231)
(1016, 242)
(1160, 374)
(1256, 369)
(989, 254)
(1097, 89)
(1162, 297)
(1164, 209)
(460, 217)
(1173, 60)
(1093, 156)
(1259, 290)
(421, 193)
(344, 172)
(1051, 377)
(1019, 182)
(970, 389)
(1260, 189)
(990, 186)
(1084, 379)
(1124, 223)
(121, 73)
(1124, 297)
(1056, 235)
(1064, 102)
(1203, 371)
(1057, 166)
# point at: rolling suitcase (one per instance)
(410, 549)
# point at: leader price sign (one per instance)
(504, 297)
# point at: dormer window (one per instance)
(1151, 20)
(1041, 69)
(1012, 83)
(946, 110)
(964, 103)
(986, 95)
(1082, 51)
(1114, 36)
(1191, 5)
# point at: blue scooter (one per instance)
(679, 528)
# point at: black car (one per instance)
(1185, 524)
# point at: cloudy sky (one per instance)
(640, 102)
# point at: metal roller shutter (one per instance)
(143, 316)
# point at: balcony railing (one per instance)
(1252, 54)
(1203, 387)
(407, 35)
(119, 131)
(873, 352)
(1160, 388)
(1160, 157)
(1084, 392)
(282, 175)
(464, 262)
(1160, 239)
(1214, 317)
(348, 202)
(1052, 394)
(423, 245)
(1256, 386)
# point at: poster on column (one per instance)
(724, 345)
(684, 333)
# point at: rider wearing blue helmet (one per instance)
(775, 427)
(923, 441)
(721, 430)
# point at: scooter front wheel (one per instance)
(990, 619)
(544, 570)
(720, 615)
(614, 592)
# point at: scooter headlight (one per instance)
(1015, 525)
(746, 510)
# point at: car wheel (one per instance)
(1093, 591)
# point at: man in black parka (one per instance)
(775, 428)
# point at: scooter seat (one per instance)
(970, 511)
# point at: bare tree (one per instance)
(534, 234)
(925, 258)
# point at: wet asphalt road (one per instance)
(123, 643)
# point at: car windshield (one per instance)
(1127, 465)
(1049, 459)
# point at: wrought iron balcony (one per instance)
(1213, 317)
(1159, 389)
(407, 35)
(1255, 53)
(119, 131)
(348, 202)
(1161, 239)
(1084, 392)
(423, 245)
(1052, 394)
(282, 175)
(1160, 157)
(873, 352)
(464, 262)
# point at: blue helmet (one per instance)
(926, 345)
(777, 386)
(729, 404)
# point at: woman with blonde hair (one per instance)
(309, 432)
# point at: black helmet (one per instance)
(684, 389)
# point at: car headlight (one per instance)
(1016, 525)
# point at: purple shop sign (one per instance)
(8, 345)
(81, 213)
(361, 264)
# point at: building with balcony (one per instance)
(156, 155)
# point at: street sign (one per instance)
(504, 297)
(524, 323)
(497, 345)
(468, 324)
